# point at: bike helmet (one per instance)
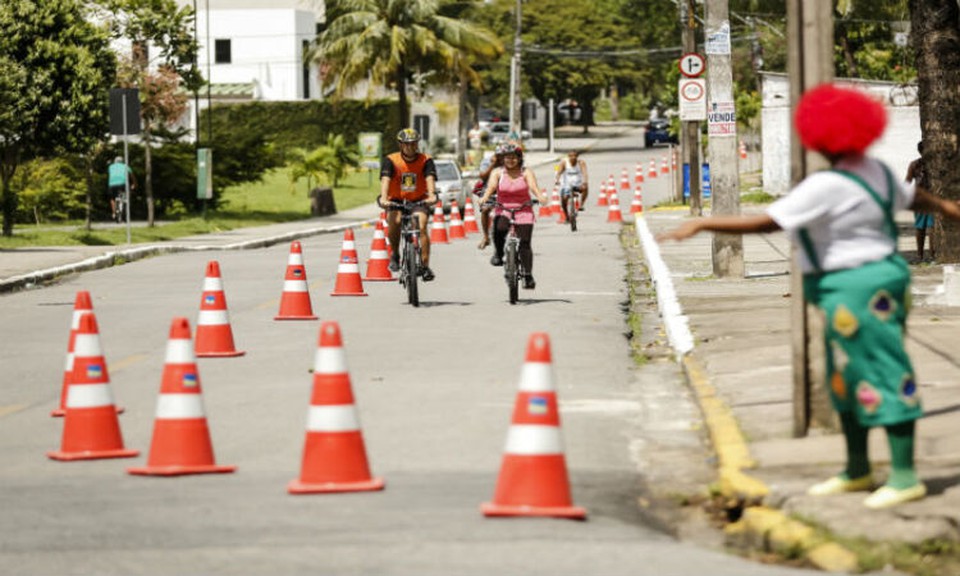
(509, 148)
(408, 135)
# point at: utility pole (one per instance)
(515, 101)
(722, 130)
(690, 131)
(809, 62)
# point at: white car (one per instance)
(449, 183)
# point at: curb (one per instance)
(759, 527)
(133, 254)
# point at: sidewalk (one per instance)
(737, 355)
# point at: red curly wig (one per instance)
(836, 120)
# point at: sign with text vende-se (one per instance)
(693, 99)
(722, 119)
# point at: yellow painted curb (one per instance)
(831, 557)
(733, 454)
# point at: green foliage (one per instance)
(49, 190)
(387, 40)
(327, 164)
(54, 99)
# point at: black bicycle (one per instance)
(513, 269)
(409, 249)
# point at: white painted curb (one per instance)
(675, 322)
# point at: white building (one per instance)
(254, 49)
(897, 147)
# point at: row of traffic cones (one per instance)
(533, 477)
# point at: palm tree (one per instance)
(385, 40)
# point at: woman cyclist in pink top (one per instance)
(513, 185)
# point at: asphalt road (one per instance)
(434, 387)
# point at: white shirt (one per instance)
(846, 225)
(571, 175)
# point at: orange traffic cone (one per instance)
(470, 219)
(652, 173)
(673, 162)
(438, 229)
(613, 212)
(295, 300)
(378, 265)
(602, 196)
(181, 439)
(334, 456)
(533, 474)
(664, 167)
(743, 150)
(91, 429)
(214, 335)
(348, 271)
(555, 207)
(456, 225)
(81, 305)
(636, 206)
(638, 173)
(624, 180)
(563, 216)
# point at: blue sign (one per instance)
(705, 189)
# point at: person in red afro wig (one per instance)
(841, 221)
(834, 120)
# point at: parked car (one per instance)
(499, 131)
(658, 132)
(449, 183)
(568, 113)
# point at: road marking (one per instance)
(128, 361)
(581, 293)
(11, 409)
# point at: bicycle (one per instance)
(572, 197)
(512, 265)
(409, 249)
(120, 207)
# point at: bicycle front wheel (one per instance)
(511, 271)
(410, 270)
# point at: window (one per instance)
(221, 51)
(306, 70)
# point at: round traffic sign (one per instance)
(692, 65)
(692, 90)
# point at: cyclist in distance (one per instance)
(117, 175)
(486, 168)
(513, 184)
(409, 175)
(572, 174)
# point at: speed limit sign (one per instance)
(692, 65)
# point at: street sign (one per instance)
(692, 65)
(693, 99)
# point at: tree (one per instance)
(329, 162)
(936, 43)
(162, 25)
(54, 64)
(384, 41)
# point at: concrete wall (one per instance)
(897, 147)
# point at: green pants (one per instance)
(868, 370)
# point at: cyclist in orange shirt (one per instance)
(409, 175)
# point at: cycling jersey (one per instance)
(408, 180)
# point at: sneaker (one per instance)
(394, 265)
(427, 274)
(885, 496)
(496, 260)
(841, 484)
(528, 282)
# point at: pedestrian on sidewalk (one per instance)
(842, 221)
(922, 221)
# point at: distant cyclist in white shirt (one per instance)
(572, 176)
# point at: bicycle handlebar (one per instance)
(403, 205)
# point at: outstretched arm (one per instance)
(924, 201)
(753, 224)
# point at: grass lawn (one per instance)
(255, 204)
